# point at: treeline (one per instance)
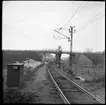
(14, 55)
(10, 56)
(97, 58)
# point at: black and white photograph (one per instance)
(53, 52)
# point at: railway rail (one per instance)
(69, 91)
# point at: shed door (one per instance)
(13, 76)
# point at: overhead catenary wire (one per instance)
(90, 19)
(88, 23)
(72, 16)
(74, 13)
(70, 20)
(82, 26)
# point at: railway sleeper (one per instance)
(71, 90)
(99, 100)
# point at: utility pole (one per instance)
(70, 39)
(71, 31)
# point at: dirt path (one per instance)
(39, 88)
(33, 83)
(40, 75)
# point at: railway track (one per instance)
(69, 91)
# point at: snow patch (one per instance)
(80, 78)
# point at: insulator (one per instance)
(74, 30)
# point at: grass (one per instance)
(98, 80)
(14, 96)
(89, 73)
(94, 79)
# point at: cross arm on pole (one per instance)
(61, 34)
(62, 28)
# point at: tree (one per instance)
(88, 50)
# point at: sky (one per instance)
(29, 25)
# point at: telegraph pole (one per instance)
(71, 35)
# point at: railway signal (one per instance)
(58, 56)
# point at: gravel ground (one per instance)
(74, 95)
(95, 88)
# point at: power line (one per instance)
(72, 15)
(89, 23)
(90, 20)
(61, 34)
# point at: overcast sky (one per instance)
(30, 25)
